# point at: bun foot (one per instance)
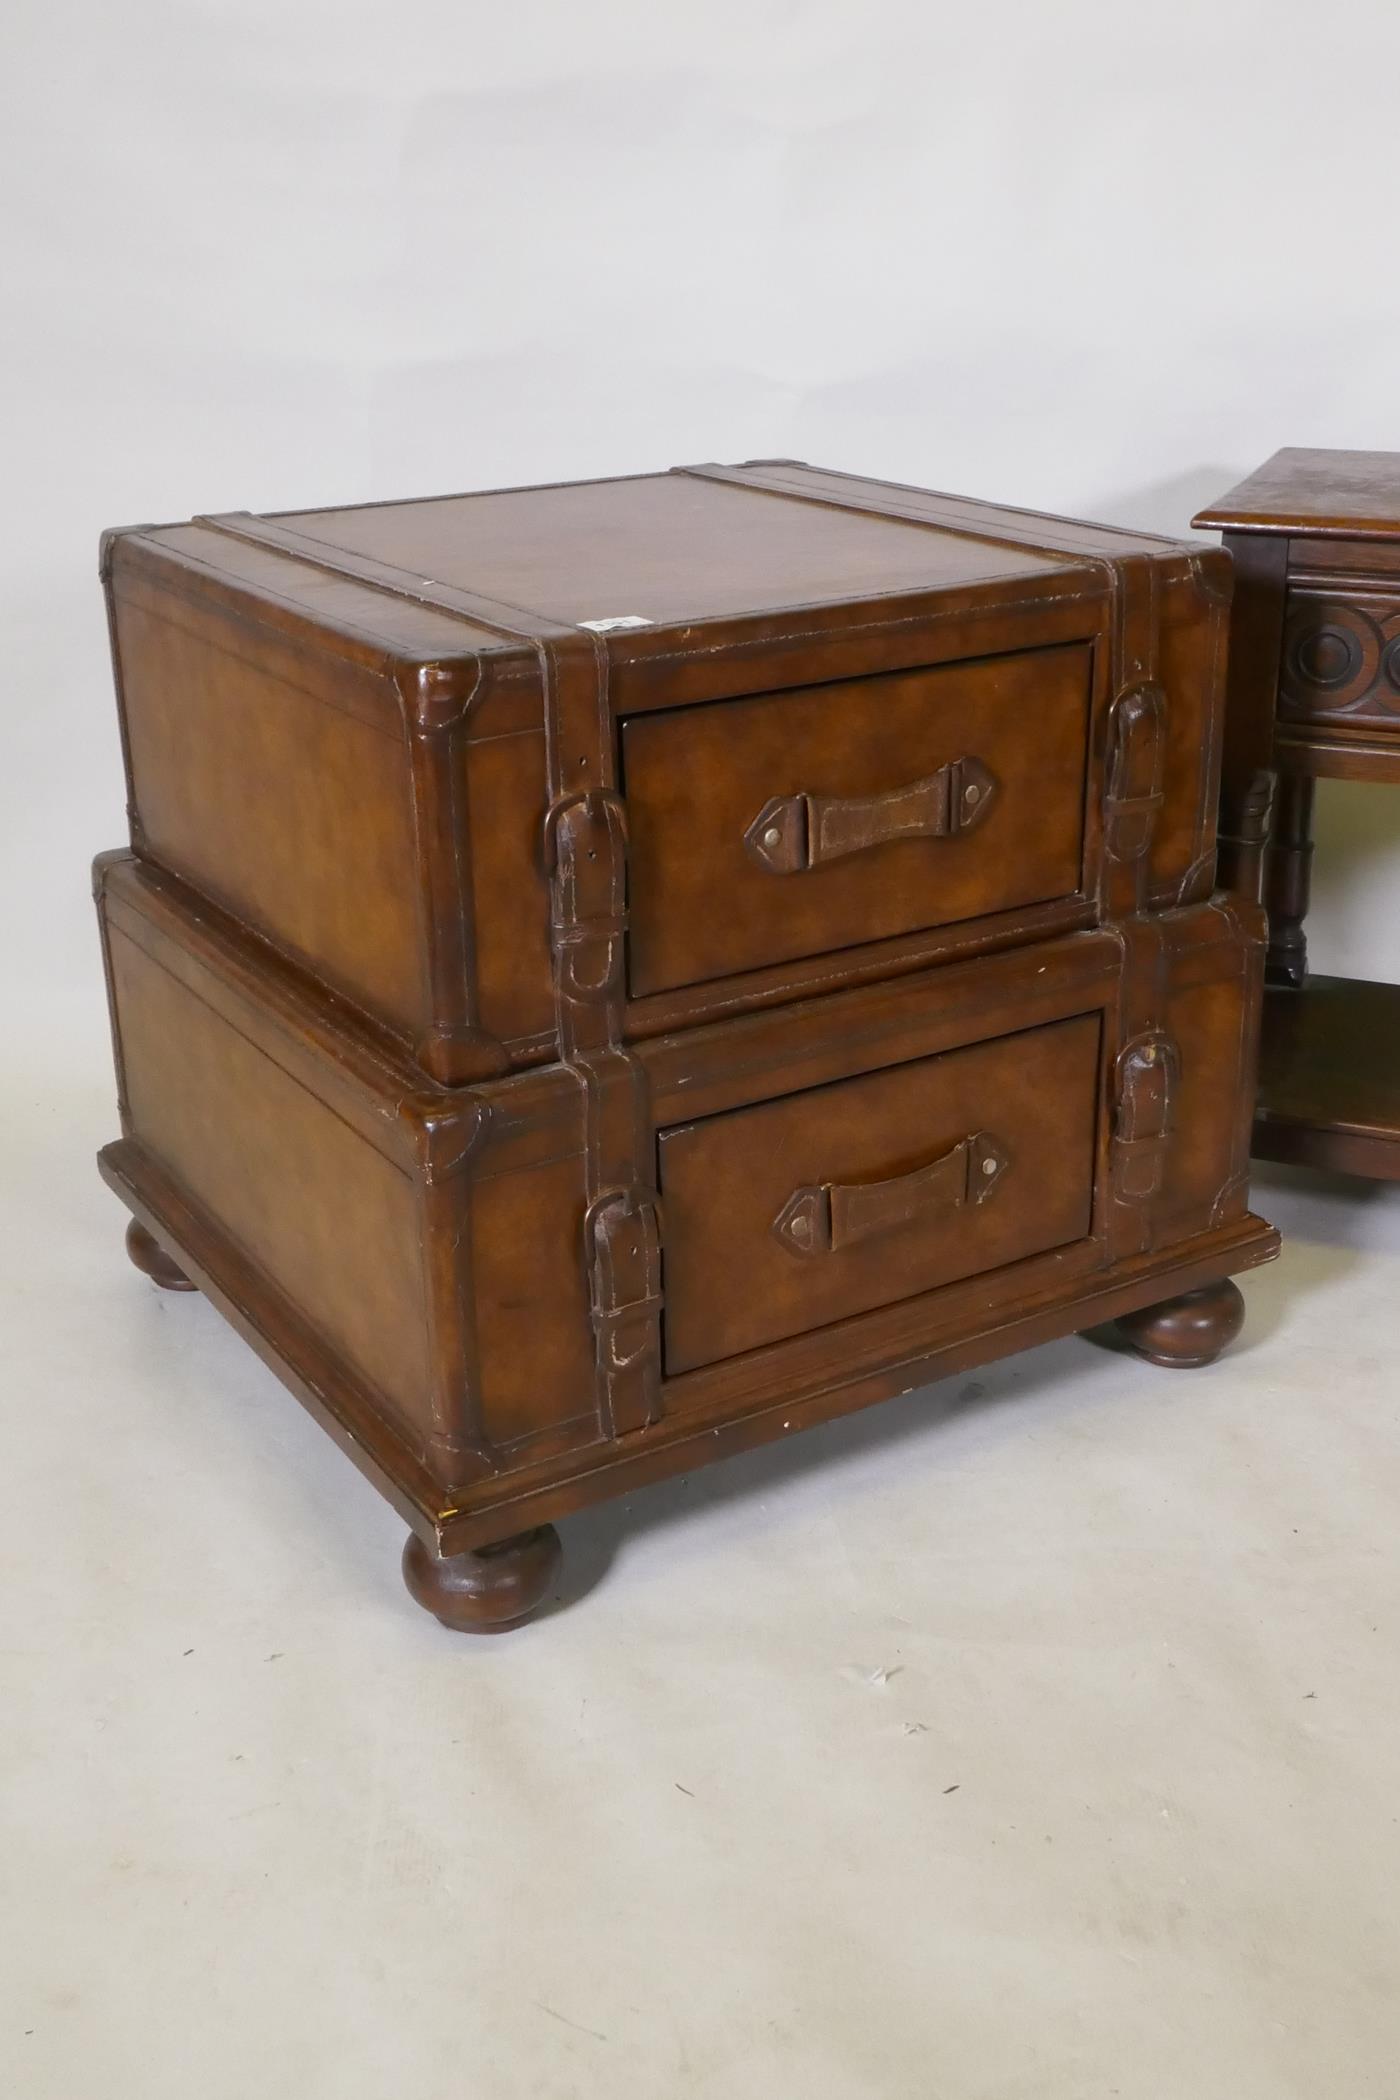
(485, 1591)
(153, 1261)
(1186, 1332)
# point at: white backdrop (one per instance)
(1032, 1736)
(1099, 257)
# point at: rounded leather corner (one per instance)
(103, 864)
(108, 541)
(444, 1136)
(1215, 574)
(438, 696)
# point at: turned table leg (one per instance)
(1187, 1332)
(1290, 880)
(485, 1591)
(153, 1261)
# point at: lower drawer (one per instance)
(792, 1213)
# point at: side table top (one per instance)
(1306, 489)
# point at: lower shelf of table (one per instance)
(1329, 1079)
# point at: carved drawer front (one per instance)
(1341, 659)
(793, 1213)
(795, 823)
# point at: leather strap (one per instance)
(1147, 1066)
(794, 833)
(585, 851)
(517, 622)
(830, 1217)
(1146, 1076)
(998, 525)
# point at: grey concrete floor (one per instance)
(1033, 1735)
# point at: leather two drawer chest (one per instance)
(608, 974)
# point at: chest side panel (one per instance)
(505, 801)
(334, 1222)
(279, 784)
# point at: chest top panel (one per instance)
(1304, 489)
(670, 548)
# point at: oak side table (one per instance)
(1314, 694)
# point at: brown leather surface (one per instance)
(732, 1283)
(1001, 522)
(293, 813)
(533, 1345)
(1193, 646)
(503, 784)
(306, 1198)
(702, 904)
(663, 547)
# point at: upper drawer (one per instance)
(793, 1213)
(796, 823)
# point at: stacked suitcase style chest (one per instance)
(612, 973)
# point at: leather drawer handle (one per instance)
(794, 832)
(826, 1218)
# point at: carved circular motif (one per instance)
(1327, 656)
(1331, 658)
(1390, 663)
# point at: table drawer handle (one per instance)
(795, 832)
(825, 1218)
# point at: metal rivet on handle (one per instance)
(772, 836)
